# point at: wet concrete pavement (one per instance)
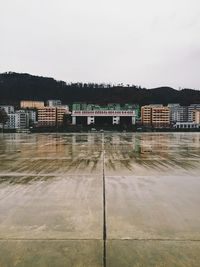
(53, 211)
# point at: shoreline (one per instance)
(84, 130)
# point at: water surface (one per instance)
(52, 209)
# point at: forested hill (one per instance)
(15, 87)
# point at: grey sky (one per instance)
(144, 42)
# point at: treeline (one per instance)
(15, 87)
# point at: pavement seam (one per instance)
(104, 205)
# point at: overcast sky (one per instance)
(143, 42)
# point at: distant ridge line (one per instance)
(23, 86)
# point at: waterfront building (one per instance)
(8, 109)
(10, 124)
(196, 116)
(191, 108)
(186, 125)
(111, 114)
(146, 115)
(32, 115)
(21, 119)
(60, 112)
(51, 116)
(178, 113)
(156, 116)
(31, 104)
(47, 116)
(160, 117)
(17, 120)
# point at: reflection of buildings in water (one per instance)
(12, 142)
(90, 139)
(115, 139)
(196, 141)
(151, 144)
(124, 148)
(86, 146)
(169, 146)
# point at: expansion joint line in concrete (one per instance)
(104, 204)
(99, 239)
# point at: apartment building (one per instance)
(191, 108)
(178, 113)
(51, 116)
(32, 115)
(196, 116)
(156, 116)
(146, 115)
(10, 124)
(8, 109)
(17, 120)
(21, 119)
(160, 117)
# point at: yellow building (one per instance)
(31, 104)
(155, 115)
(196, 116)
(51, 116)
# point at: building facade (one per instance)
(196, 116)
(51, 116)
(10, 124)
(8, 109)
(17, 120)
(31, 104)
(178, 113)
(54, 103)
(191, 108)
(186, 125)
(146, 115)
(32, 115)
(111, 114)
(106, 117)
(21, 119)
(156, 116)
(160, 117)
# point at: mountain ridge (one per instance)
(23, 86)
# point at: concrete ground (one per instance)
(91, 200)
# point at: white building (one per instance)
(21, 119)
(32, 115)
(17, 120)
(8, 109)
(10, 124)
(54, 103)
(178, 113)
(186, 125)
(91, 117)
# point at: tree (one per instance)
(3, 118)
(67, 120)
